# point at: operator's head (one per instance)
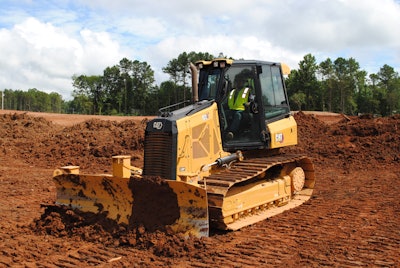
(242, 77)
(239, 83)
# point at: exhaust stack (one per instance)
(195, 88)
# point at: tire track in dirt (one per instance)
(26, 250)
(346, 226)
(92, 256)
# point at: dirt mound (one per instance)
(357, 143)
(21, 134)
(23, 126)
(89, 145)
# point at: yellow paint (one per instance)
(283, 132)
(285, 69)
(111, 195)
(96, 193)
(199, 141)
(121, 165)
(240, 199)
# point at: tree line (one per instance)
(32, 100)
(341, 86)
(128, 88)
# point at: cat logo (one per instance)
(279, 137)
(157, 125)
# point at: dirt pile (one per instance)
(21, 134)
(89, 145)
(358, 143)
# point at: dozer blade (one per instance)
(193, 206)
(173, 206)
(99, 194)
(164, 205)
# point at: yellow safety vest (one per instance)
(241, 99)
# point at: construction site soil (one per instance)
(352, 220)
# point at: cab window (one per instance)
(208, 85)
(273, 94)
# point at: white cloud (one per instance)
(44, 57)
(98, 51)
(145, 27)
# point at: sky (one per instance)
(43, 43)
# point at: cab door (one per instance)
(248, 135)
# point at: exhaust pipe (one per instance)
(195, 88)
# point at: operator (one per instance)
(237, 100)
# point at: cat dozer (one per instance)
(215, 163)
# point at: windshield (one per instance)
(209, 81)
(237, 74)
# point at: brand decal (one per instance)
(279, 137)
(157, 125)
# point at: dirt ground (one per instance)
(352, 220)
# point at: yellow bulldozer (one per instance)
(214, 163)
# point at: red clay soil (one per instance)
(352, 219)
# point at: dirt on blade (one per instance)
(351, 221)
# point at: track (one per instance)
(250, 170)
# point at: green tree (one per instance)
(387, 90)
(56, 102)
(114, 86)
(328, 82)
(92, 88)
(122, 88)
(37, 101)
(143, 84)
(81, 104)
(298, 99)
(138, 81)
(125, 67)
(32, 100)
(349, 78)
(304, 80)
(178, 70)
(166, 94)
(366, 102)
(153, 102)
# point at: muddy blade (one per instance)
(171, 206)
(157, 205)
(97, 194)
(193, 209)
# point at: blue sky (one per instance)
(44, 42)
